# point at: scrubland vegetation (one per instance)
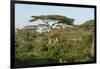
(74, 45)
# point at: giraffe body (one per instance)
(55, 37)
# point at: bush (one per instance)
(73, 46)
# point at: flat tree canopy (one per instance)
(55, 18)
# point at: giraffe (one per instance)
(55, 36)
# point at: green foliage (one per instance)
(59, 18)
(31, 47)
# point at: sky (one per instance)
(23, 13)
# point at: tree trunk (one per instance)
(92, 47)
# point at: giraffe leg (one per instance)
(54, 43)
(56, 40)
(49, 42)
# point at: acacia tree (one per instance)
(50, 20)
